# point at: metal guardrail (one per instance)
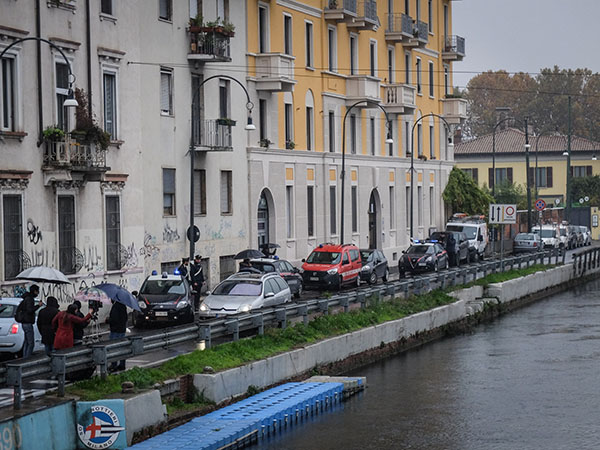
(64, 362)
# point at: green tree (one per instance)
(463, 195)
(582, 187)
(508, 193)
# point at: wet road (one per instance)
(526, 381)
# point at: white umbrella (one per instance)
(43, 274)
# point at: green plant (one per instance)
(264, 142)
(290, 145)
(226, 122)
(197, 21)
(228, 27)
(53, 134)
(86, 129)
(213, 23)
(252, 390)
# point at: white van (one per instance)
(476, 230)
(550, 235)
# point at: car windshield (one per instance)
(546, 233)
(263, 266)
(7, 310)
(525, 237)
(324, 258)
(239, 287)
(563, 232)
(420, 249)
(163, 287)
(471, 232)
(365, 255)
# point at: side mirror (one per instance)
(303, 260)
(403, 251)
(269, 295)
(295, 270)
(207, 292)
(134, 293)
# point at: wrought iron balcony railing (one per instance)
(212, 134)
(209, 44)
(73, 155)
(399, 24)
(454, 47)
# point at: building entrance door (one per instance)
(263, 220)
(373, 219)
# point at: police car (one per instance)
(164, 298)
(423, 256)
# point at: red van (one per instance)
(331, 266)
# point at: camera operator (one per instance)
(78, 328)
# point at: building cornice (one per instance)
(300, 7)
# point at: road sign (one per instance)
(193, 233)
(540, 204)
(503, 213)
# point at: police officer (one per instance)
(183, 268)
(197, 279)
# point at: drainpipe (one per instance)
(39, 72)
(89, 54)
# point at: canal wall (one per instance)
(229, 384)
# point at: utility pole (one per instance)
(527, 177)
(568, 206)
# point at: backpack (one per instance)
(20, 312)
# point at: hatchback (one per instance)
(375, 266)
(284, 268)
(164, 298)
(11, 331)
(244, 292)
(423, 257)
(527, 242)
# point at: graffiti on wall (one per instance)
(149, 249)
(129, 256)
(33, 232)
(92, 259)
(170, 235)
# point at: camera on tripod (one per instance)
(95, 305)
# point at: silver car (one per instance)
(11, 332)
(587, 235)
(244, 292)
(527, 242)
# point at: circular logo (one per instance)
(509, 210)
(540, 204)
(103, 431)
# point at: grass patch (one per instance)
(274, 341)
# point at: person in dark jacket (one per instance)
(78, 328)
(197, 278)
(184, 267)
(44, 323)
(117, 321)
(29, 309)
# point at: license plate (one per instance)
(314, 278)
(421, 264)
(162, 314)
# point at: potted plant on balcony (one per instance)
(226, 122)
(87, 131)
(290, 145)
(53, 134)
(196, 23)
(228, 28)
(214, 26)
(265, 143)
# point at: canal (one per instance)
(529, 380)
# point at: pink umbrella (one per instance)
(92, 294)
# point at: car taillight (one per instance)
(14, 329)
(535, 244)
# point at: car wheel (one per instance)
(373, 278)
(298, 293)
(339, 283)
(386, 275)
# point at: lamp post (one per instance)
(249, 127)
(70, 102)
(388, 140)
(493, 180)
(568, 208)
(412, 154)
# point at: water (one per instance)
(529, 380)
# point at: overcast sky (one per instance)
(526, 35)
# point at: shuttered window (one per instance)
(332, 210)
(113, 233)
(165, 9)
(7, 94)
(110, 104)
(106, 7)
(200, 192)
(166, 92)
(226, 192)
(310, 209)
(169, 192)
(12, 227)
(66, 233)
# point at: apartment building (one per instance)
(334, 80)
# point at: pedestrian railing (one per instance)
(62, 363)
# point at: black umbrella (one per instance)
(270, 248)
(249, 253)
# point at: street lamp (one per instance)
(493, 180)
(388, 140)
(249, 127)
(412, 153)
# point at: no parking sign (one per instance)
(540, 204)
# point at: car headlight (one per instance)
(142, 304)
(429, 259)
(203, 307)
(244, 308)
(365, 268)
(182, 304)
(332, 271)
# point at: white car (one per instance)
(476, 230)
(244, 292)
(563, 237)
(549, 234)
(587, 235)
(11, 331)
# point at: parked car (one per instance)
(11, 332)
(474, 227)
(164, 298)
(527, 242)
(577, 235)
(243, 292)
(374, 266)
(586, 235)
(284, 268)
(549, 235)
(423, 257)
(563, 236)
(457, 245)
(332, 266)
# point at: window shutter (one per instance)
(549, 177)
(224, 202)
(475, 175)
(164, 93)
(491, 176)
(509, 174)
(588, 171)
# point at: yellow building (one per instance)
(546, 153)
(319, 68)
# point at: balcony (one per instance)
(275, 72)
(399, 28)
(209, 45)
(212, 135)
(455, 110)
(454, 48)
(400, 98)
(340, 10)
(362, 88)
(68, 160)
(420, 34)
(367, 17)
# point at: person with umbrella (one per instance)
(117, 321)
(64, 322)
(28, 308)
(44, 323)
